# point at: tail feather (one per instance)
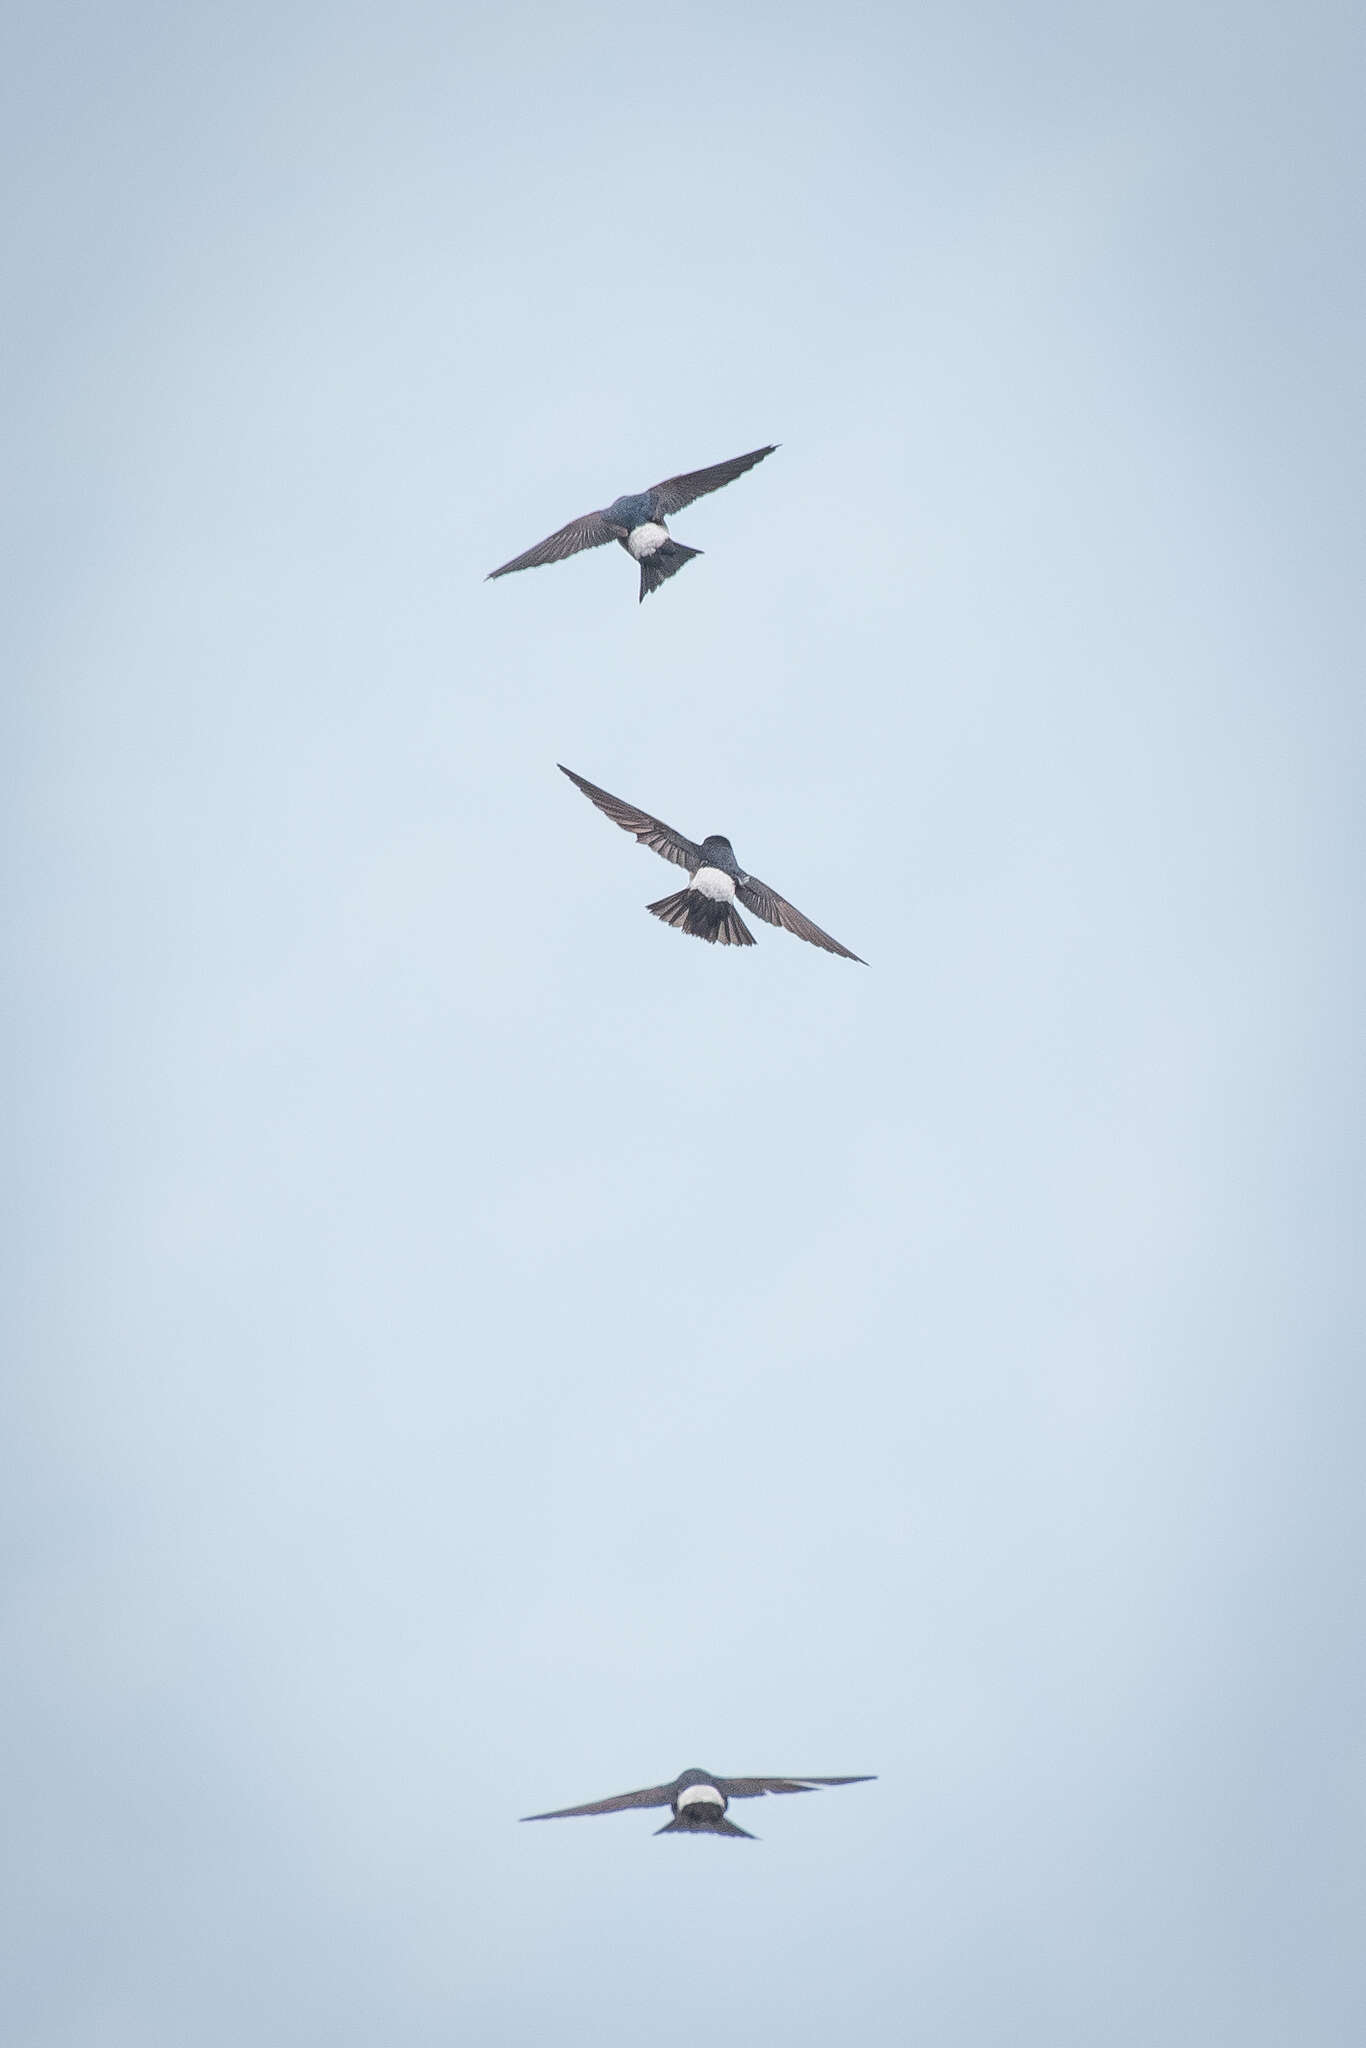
(712, 1827)
(702, 917)
(666, 561)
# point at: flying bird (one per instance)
(637, 521)
(706, 908)
(699, 1801)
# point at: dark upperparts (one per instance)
(631, 510)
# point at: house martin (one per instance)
(699, 1801)
(706, 908)
(637, 522)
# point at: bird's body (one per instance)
(637, 508)
(699, 1800)
(706, 908)
(646, 539)
(637, 522)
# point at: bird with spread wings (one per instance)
(706, 908)
(637, 521)
(699, 1800)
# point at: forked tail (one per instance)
(684, 1826)
(703, 917)
(666, 561)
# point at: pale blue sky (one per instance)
(481, 1351)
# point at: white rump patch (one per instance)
(712, 883)
(646, 540)
(699, 1795)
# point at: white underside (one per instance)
(646, 540)
(710, 882)
(700, 1795)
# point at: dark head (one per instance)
(630, 511)
(699, 1801)
(699, 1804)
(717, 852)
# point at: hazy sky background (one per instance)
(481, 1351)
